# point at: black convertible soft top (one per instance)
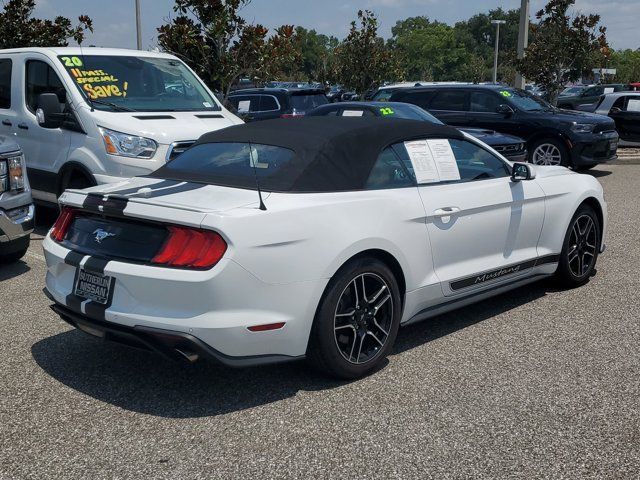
(331, 153)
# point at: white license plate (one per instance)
(93, 286)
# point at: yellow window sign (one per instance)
(95, 83)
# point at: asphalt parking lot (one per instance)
(534, 383)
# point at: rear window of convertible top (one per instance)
(236, 165)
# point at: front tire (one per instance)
(357, 321)
(580, 249)
(15, 250)
(549, 151)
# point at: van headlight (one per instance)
(582, 127)
(125, 145)
(12, 173)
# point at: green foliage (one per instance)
(563, 48)
(222, 47)
(428, 50)
(316, 50)
(19, 29)
(627, 63)
(363, 61)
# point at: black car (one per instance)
(266, 103)
(554, 136)
(513, 148)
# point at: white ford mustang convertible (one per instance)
(314, 238)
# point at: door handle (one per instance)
(23, 126)
(7, 122)
(445, 211)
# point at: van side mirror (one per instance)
(49, 113)
(505, 109)
(521, 171)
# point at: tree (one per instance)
(563, 47)
(627, 64)
(428, 50)
(363, 61)
(19, 29)
(316, 52)
(214, 40)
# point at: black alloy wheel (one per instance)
(580, 249)
(357, 320)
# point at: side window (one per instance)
(619, 103)
(245, 103)
(483, 102)
(420, 99)
(41, 78)
(5, 83)
(268, 103)
(476, 163)
(388, 172)
(632, 104)
(452, 100)
(473, 162)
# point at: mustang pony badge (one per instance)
(101, 234)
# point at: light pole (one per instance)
(523, 38)
(497, 23)
(138, 27)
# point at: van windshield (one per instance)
(145, 84)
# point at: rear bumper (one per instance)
(16, 223)
(177, 346)
(215, 306)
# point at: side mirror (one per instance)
(505, 109)
(521, 171)
(49, 113)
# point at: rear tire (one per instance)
(580, 249)
(357, 320)
(75, 179)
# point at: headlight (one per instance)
(582, 127)
(118, 143)
(12, 173)
(16, 172)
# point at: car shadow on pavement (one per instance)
(599, 173)
(144, 382)
(11, 270)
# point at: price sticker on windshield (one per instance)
(505, 93)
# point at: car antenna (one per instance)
(84, 64)
(255, 176)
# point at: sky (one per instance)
(114, 20)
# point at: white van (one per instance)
(99, 115)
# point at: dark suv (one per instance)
(266, 103)
(554, 136)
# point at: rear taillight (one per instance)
(191, 248)
(60, 228)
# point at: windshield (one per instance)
(145, 84)
(409, 112)
(571, 91)
(524, 101)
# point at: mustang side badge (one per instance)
(101, 234)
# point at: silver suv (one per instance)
(16, 206)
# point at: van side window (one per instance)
(41, 78)
(5, 83)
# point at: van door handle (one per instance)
(23, 126)
(7, 122)
(445, 211)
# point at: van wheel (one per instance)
(77, 180)
(549, 151)
(357, 320)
